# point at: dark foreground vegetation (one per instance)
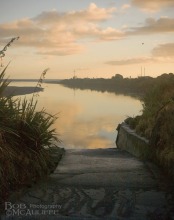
(26, 137)
(26, 140)
(157, 120)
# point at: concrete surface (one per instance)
(97, 184)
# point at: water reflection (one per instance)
(95, 133)
(87, 119)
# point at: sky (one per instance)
(97, 38)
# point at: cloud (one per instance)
(164, 50)
(152, 5)
(92, 13)
(60, 34)
(161, 53)
(56, 33)
(125, 6)
(62, 50)
(131, 61)
(152, 26)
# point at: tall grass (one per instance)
(25, 135)
(3, 51)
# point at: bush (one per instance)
(132, 122)
(25, 136)
(157, 121)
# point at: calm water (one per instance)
(87, 119)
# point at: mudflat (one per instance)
(21, 90)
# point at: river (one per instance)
(86, 119)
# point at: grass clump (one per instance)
(25, 137)
(157, 121)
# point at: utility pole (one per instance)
(74, 74)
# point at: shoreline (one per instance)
(21, 90)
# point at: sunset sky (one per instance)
(98, 38)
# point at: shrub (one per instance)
(25, 135)
(157, 121)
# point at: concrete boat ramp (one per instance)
(97, 184)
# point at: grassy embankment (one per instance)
(157, 121)
(26, 135)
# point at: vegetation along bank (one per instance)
(156, 124)
(26, 142)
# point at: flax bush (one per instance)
(25, 136)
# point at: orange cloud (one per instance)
(164, 50)
(92, 13)
(152, 26)
(161, 53)
(60, 34)
(153, 5)
(132, 61)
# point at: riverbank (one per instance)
(137, 87)
(128, 140)
(21, 90)
(103, 85)
(151, 134)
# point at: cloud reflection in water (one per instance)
(87, 119)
